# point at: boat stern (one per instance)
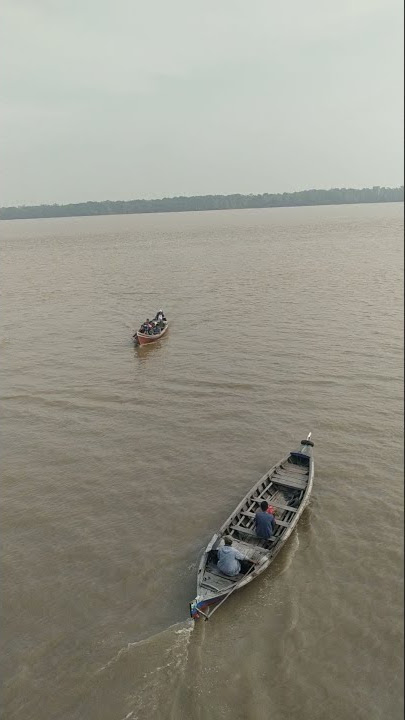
(196, 608)
(194, 614)
(201, 606)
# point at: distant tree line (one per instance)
(335, 196)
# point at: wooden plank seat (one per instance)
(251, 551)
(247, 531)
(290, 483)
(290, 467)
(271, 488)
(283, 479)
(280, 506)
(210, 586)
(283, 523)
(293, 476)
(231, 578)
(275, 504)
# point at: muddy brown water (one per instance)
(120, 463)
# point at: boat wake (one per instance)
(183, 629)
(146, 679)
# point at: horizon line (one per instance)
(206, 195)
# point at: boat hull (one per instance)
(287, 486)
(143, 339)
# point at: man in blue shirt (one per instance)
(264, 521)
(228, 559)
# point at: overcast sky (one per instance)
(120, 99)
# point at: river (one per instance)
(120, 463)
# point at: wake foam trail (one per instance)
(183, 629)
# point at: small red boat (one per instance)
(145, 338)
(148, 331)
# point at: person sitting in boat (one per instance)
(145, 326)
(229, 559)
(264, 521)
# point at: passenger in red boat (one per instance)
(145, 327)
(160, 316)
(153, 327)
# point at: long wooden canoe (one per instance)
(287, 487)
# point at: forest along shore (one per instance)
(335, 196)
